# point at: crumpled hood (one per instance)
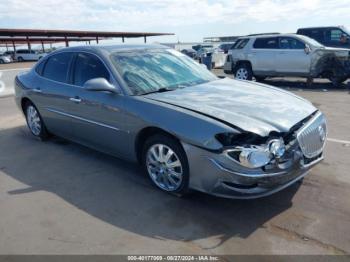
(250, 106)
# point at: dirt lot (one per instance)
(57, 197)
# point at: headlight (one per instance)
(257, 156)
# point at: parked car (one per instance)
(4, 59)
(190, 52)
(286, 55)
(188, 128)
(333, 36)
(225, 47)
(28, 55)
(10, 54)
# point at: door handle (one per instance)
(37, 90)
(75, 99)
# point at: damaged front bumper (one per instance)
(222, 174)
(218, 175)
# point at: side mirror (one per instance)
(99, 84)
(307, 49)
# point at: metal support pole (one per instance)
(7, 48)
(123, 40)
(67, 43)
(42, 46)
(14, 46)
(145, 38)
(89, 42)
(96, 39)
(28, 43)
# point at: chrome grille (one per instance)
(312, 136)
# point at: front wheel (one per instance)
(165, 162)
(243, 72)
(35, 122)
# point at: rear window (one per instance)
(240, 44)
(40, 67)
(56, 67)
(266, 43)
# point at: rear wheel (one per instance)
(243, 72)
(1, 61)
(336, 81)
(165, 162)
(35, 122)
(20, 59)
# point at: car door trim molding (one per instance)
(82, 119)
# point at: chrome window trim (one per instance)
(122, 91)
(82, 119)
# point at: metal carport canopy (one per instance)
(73, 33)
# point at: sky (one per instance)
(190, 20)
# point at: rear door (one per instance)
(52, 93)
(99, 116)
(263, 55)
(291, 57)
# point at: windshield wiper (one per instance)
(160, 90)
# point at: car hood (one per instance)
(250, 106)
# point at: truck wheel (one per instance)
(336, 81)
(243, 72)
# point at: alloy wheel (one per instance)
(33, 120)
(164, 167)
(242, 73)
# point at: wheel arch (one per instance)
(144, 134)
(244, 62)
(24, 101)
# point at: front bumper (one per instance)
(218, 175)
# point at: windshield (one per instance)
(311, 41)
(146, 71)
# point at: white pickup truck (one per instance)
(28, 55)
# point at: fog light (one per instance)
(277, 148)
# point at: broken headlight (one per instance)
(255, 156)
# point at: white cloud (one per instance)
(143, 15)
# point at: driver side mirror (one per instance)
(99, 84)
(307, 49)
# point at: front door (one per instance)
(292, 58)
(98, 116)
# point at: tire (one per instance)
(336, 81)
(243, 71)
(20, 59)
(40, 58)
(35, 122)
(161, 171)
(2, 61)
(260, 78)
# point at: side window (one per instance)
(39, 68)
(240, 44)
(87, 67)
(266, 43)
(334, 35)
(56, 67)
(290, 43)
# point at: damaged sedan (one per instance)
(187, 128)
